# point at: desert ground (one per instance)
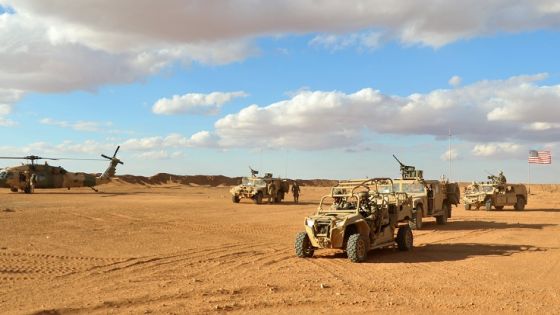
(176, 249)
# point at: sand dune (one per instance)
(176, 249)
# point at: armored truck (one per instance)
(260, 188)
(356, 217)
(495, 194)
(430, 198)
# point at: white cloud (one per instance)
(455, 81)
(174, 140)
(69, 47)
(360, 41)
(333, 119)
(160, 155)
(452, 154)
(497, 149)
(195, 103)
(91, 126)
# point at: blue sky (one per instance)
(321, 94)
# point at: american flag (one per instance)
(540, 157)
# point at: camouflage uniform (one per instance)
(295, 192)
(271, 192)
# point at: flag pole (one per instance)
(529, 178)
(449, 153)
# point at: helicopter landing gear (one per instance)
(96, 190)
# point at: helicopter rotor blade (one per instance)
(77, 159)
(107, 157)
(116, 151)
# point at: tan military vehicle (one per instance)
(358, 216)
(431, 198)
(259, 188)
(496, 193)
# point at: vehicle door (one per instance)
(510, 195)
(501, 198)
(439, 194)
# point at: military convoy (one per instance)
(260, 188)
(496, 193)
(356, 217)
(430, 198)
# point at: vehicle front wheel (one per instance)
(357, 248)
(520, 204)
(235, 199)
(499, 207)
(442, 219)
(416, 222)
(258, 198)
(303, 246)
(13, 189)
(405, 239)
(488, 204)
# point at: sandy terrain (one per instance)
(179, 249)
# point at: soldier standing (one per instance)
(501, 178)
(295, 191)
(271, 192)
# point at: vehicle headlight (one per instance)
(310, 222)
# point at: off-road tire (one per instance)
(499, 207)
(520, 204)
(467, 206)
(258, 198)
(488, 204)
(415, 222)
(235, 199)
(279, 197)
(27, 190)
(357, 248)
(303, 246)
(13, 189)
(442, 219)
(405, 239)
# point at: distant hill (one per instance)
(208, 180)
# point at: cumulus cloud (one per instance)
(334, 119)
(455, 81)
(195, 103)
(69, 47)
(174, 140)
(452, 154)
(360, 41)
(91, 126)
(160, 155)
(503, 149)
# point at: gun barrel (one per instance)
(398, 160)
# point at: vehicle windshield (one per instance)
(387, 188)
(487, 188)
(331, 204)
(258, 182)
(411, 188)
(3, 174)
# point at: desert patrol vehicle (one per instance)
(28, 177)
(496, 193)
(356, 217)
(431, 198)
(260, 188)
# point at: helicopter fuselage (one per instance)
(44, 177)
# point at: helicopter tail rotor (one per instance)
(113, 159)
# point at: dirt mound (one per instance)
(207, 180)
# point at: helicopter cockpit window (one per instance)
(3, 174)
